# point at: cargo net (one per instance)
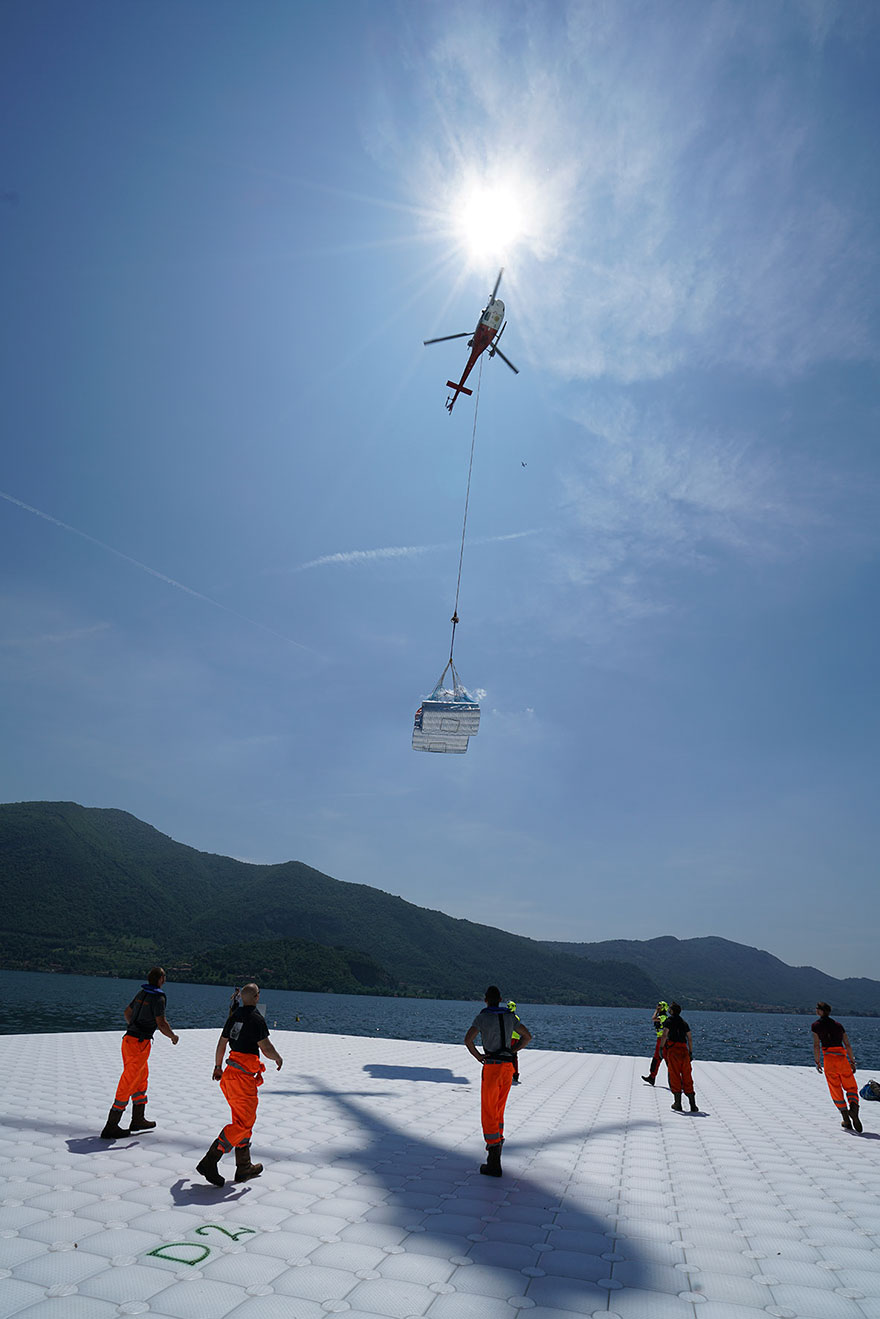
(447, 718)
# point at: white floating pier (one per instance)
(371, 1203)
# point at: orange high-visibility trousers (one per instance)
(135, 1072)
(678, 1065)
(659, 1055)
(839, 1076)
(495, 1087)
(239, 1082)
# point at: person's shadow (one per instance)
(184, 1192)
(93, 1145)
(521, 1233)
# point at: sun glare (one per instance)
(491, 220)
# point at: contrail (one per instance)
(145, 567)
(401, 551)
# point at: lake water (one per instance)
(35, 1003)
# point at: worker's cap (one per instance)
(663, 1003)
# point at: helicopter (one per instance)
(486, 335)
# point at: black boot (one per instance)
(492, 1166)
(138, 1121)
(845, 1122)
(676, 1107)
(244, 1169)
(649, 1079)
(208, 1166)
(854, 1115)
(112, 1129)
(692, 1099)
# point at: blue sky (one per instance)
(232, 498)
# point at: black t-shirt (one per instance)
(677, 1028)
(244, 1029)
(147, 1004)
(830, 1032)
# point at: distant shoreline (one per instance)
(716, 1005)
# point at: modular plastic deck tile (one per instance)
(371, 1202)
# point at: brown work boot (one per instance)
(676, 1107)
(854, 1116)
(138, 1121)
(112, 1129)
(244, 1169)
(492, 1166)
(209, 1166)
(649, 1079)
(845, 1123)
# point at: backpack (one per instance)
(871, 1090)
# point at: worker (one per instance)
(831, 1046)
(145, 1015)
(658, 1020)
(515, 1035)
(495, 1026)
(247, 1036)
(678, 1049)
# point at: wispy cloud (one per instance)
(348, 557)
(645, 500)
(55, 638)
(153, 572)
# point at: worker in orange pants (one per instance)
(145, 1015)
(246, 1031)
(495, 1025)
(677, 1047)
(831, 1048)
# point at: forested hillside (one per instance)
(100, 892)
(717, 973)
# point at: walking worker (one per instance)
(145, 1015)
(831, 1045)
(661, 1012)
(495, 1025)
(513, 1039)
(678, 1049)
(247, 1036)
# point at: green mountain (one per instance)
(100, 892)
(724, 976)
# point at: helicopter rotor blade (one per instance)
(507, 361)
(444, 337)
(497, 282)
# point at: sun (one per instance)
(492, 218)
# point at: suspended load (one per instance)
(447, 718)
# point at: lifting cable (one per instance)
(467, 497)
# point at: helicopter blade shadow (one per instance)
(525, 1235)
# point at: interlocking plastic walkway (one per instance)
(372, 1204)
